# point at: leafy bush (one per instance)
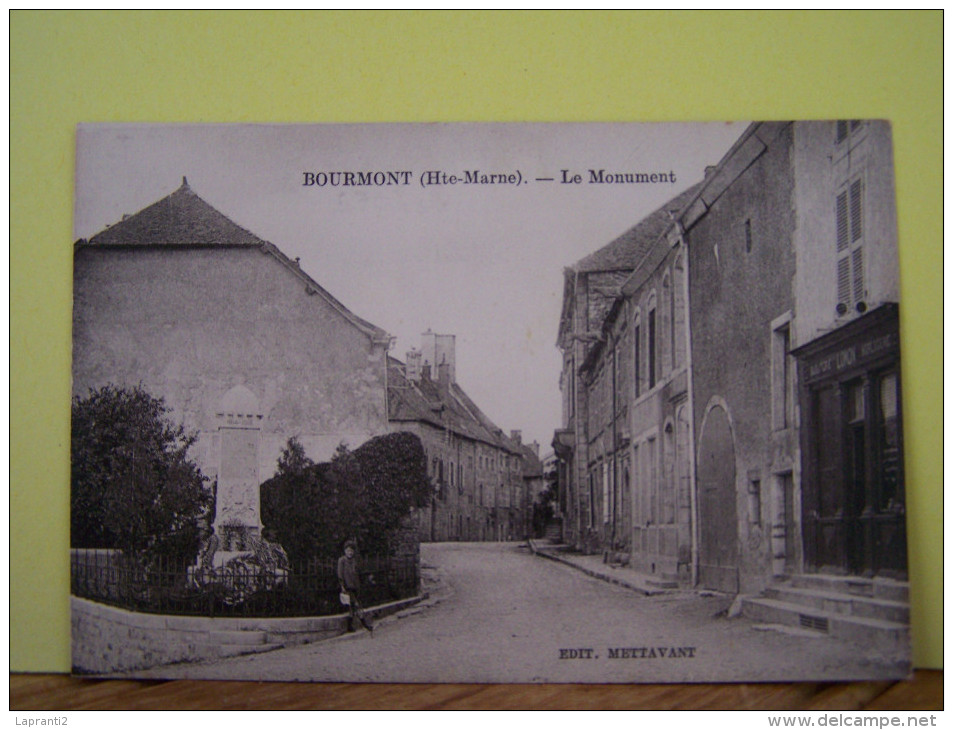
(364, 494)
(132, 484)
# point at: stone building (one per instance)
(240, 342)
(534, 478)
(795, 357)
(636, 378)
(846, 335)
(597, 384)
(740, 241)
(731, 406)
(477, 471)
(795, 386)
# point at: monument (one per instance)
(236, 554)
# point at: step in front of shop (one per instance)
(878, 588)
(844, 605)
(887, 636)
(873, 611)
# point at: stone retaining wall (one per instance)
(108, 639)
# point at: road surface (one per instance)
(499, 614)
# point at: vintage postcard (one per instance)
(488, 403)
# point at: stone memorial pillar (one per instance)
(237, 501)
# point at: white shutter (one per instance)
(849, 220)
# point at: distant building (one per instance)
(477, 471)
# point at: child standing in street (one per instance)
(350, 582)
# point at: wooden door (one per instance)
(717, 518)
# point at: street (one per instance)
(497, 613)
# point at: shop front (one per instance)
(852, 448)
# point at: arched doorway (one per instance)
(717, 519)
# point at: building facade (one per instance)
(731, 396)
(598, 386)
(741, 259)
(477, 471)
(848, 350)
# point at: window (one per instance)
(678, 312)
(845, 127)
(637, 355)
(782, 374)
(754, 499)
(572, 387)
(671, 320)
(637, 508)
(651, 335)
(652, 482)
(850, 252)
(592, 499)
(890, 439)
(667, 480)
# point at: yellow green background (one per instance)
(69, 67)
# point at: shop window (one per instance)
(890, 444)
(856, 444)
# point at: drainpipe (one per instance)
(693, 492)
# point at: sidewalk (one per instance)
(592, 565)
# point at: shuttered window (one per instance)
(849, 212)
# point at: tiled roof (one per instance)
(427, 401)
(626, 251)
(532, 466)
(181, 218)
(184, 219)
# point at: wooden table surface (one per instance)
(60, 692)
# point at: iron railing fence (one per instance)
(238, 589)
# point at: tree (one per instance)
(364, 494)
(132, 484)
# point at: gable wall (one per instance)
(190, 323)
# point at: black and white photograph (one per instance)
(485, 402)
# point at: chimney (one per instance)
(443, 374)
(440, 350)
(709, 170)
(412, 370)
(425, 371)
(517, 436)
(535, 447)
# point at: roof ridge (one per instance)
(616, 256)
(183, 218)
